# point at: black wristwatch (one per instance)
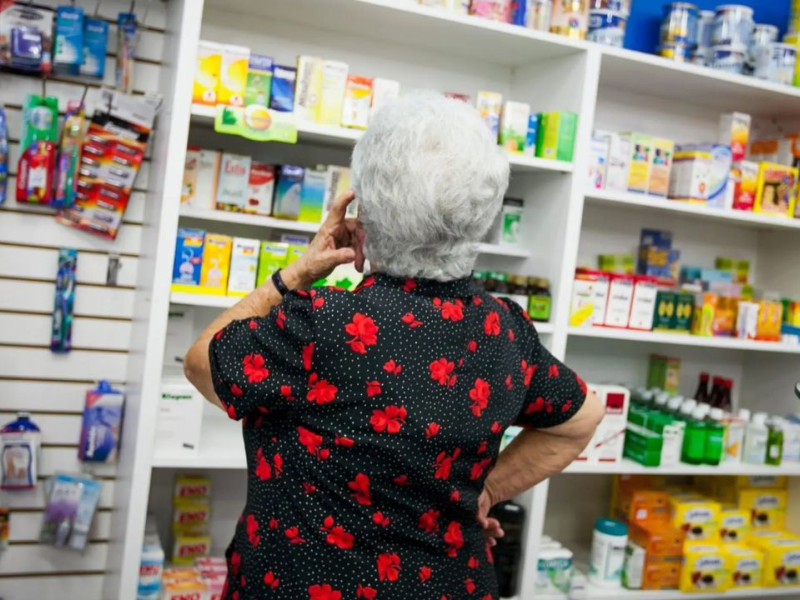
(277, 281)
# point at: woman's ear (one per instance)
(358, 245)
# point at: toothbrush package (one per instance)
(19, 453)
(61, 333)
(71, 504)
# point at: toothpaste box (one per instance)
(233, 75)
(383, 92)
(68, 54)
(283, 81)
(258, 87)
(188, 256)
(288, 192)
(312, 196)
(514, 126)
(272, 256)
(490, 105)
(216, 262)
(95, 40)
(244, 265)
(261, 184)
(206, 74)
(308, 89)
(334, 83)
(357, 102)
(234, 177)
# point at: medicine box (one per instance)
(261, 185)
(698, 518)
(640, 159)
(690, 176)
(643, 304)
(746, 565)
(191, 488)
(288, 191)
(283, 81)
(514, 126)
(233, 75)
(776, 190)
(648, 510)
(557, 135)
(782, 562)
(188, 256)
(312, 196)
(664, 373)
(191, 517)
(589, 298)
(180, 417)
(618, 161)
(207, 73)
(598, 161)
(657, 539)
(308, 90)
(357, 102)
(234, 176)
(190, 175)
(660, 167)
(331, 101)
(383, 92)
(767, 507)
(272, 256)
(719, 174)
(244, 264)
(200, 178)
(734, 525)
(607, 442)
(216, 262)
(186, 550)
(532, 136)
(258, 87)
(95, 41)
(734, 131)
(745, 184)
(68, 54)
(620, 297)
(490, 106)
(337, 182)
(705, 568)
(661, 575)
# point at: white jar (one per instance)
(608, 552)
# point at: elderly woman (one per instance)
(372, 420)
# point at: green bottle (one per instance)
(715, 436)
(774, 444)
(694, 439)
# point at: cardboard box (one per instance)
(233, 75)
(261, 186)
(777, 190)
(312, 197)
(557, 136)
(244, 264)
(608, 440)
(660, 167)
(532, 136)
(383, 92)
(706, 568)
(283, 83)
(589, 298)
(782, 562)
(258, 88)
(734, 131)
(643, 305)
(698, 518)
(200, 178)
(308, 90)
(288, 192)
(187, 549)
(514, 126)
(334, 82)
(337, 182)
(272, 256)
(639, 160)
(207, 72)
(232, 187)
(357, 102)
(658, 539)
(618, 162)
(747, 566)
(705, 310)
(216, 263)
(734, 526)
(647, 511)
(745, 185)
(188, 256)
(490, 106)
(767, 507)
(620, 297)
(598, 162)
(664, 373)
(661, 576)
(690, 177)
(180, 419)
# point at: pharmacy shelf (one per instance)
(644, 202)
(693, 84)
(312, 133)
(597, 593)
(544, 328)
(629, 467)
(221, 447)
(185, 299)
(677, 339)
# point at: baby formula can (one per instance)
(705, 25)
(570, 18)
(730, 59)
(733, 25)
(607, 27)
(539, 14)
(617, 5)
(679, 25)
(676, 52)
(763, 36)
(777, 63)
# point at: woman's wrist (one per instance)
(296, 276)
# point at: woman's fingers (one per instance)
(339, 208)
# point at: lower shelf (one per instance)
(221, 447)
(629, 467)
(596, 593)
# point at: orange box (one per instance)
(645, 506)
(661, 576)
(657, 540)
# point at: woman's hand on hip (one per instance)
(339, 241)
(491, 526)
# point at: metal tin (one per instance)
(729, 59)
(570, 18)
(676, 52)
(539, 14)
(777, 63)
(679, 25)
(607, 27)
(617, 5)
(763, 36)
(733, 25)
(699, 58)
(705, 26)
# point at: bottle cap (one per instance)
(717, 414)
(691, 403)
(760, 418)
(611, 527)
(744, 414)
(704, 376)
(700, 412)
(674, 404)
(662, 398)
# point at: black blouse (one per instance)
(370, 421)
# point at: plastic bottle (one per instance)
(702, 395)
(609, 539)
(715, 397)
(755, 440)
(715, 437)
(674, 405)
(727, 392)
(774, 455)
(694, 438)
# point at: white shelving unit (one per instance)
(564, 223)
(630, 467)
(596, 593)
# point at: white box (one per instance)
(337, 182)
(589, 299)
(180, 334)
(308, 88)
(357, 102)
(608, 440)
(490, 105)
(672, 436)
(180, 417)
(331, 101)
(200, 178)
(514, 126)
(233, 189)
(598, 161)
(620, 297)
(690, 177)
(619, 149)
(643, 305)
(244, 265)
(383, 92)
(261, 184)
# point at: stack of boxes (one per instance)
(191, 514)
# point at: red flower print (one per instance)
(535, 406)
(482, 447)
(392, 367)
(472, 346)
(218, 335)
(252, 324)
(431, 430)
(293, 534)
(323, 592)
(273, 523)
(364, 332)
(324, 454)
(510, 335)
(527, 371)
(479, 396)
(373, 388)
(388, 567)
(410, 320)
(236, 562)
(428, 522)
(320, 392)
(337, 536)
(491, 326)
(477, 300)
(368, 281)
(455, 496)
(581, 384)
(344, 442)
(489, 556)
(236, 390)
(441, 370)
(409, 285)
(252, 531)
(487, 597)
(389, 420)
(553, 371)
(453, 538)
(270, 580)
(366, 592)
(280, 320)
(478, 468)
(495, 428)
(380, 519)
(548, 407)
(424, 574)
(360, 487)
(453, 311)
(263, 469)
(401, 480)
(470, 585)
(509, 383)
(254, 368)
(308, 354)
(277, 465)
(444, 463)
(473, 563)
(286, 392)
(566, 406)
(318, 302)
(309, 439)
(501, 302)
(309, 488)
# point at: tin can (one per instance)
(733, 25)
(607, 27)
(679, 25)
(777, 63)
(676, 52)
(570, 18)
(539, 14)
(699, 58)
(763, 36)
(729, 59)
(705, 26)
(617, 5)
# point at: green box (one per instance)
(617, 263)
(271, 257)
(295, 252)
(259, 81)
(557, 135)
(682, 319)
(664, 373)
(664, 314)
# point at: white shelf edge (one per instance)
(630, 467)
(680, 339)
(200, 461)
(596, 593)
(644, 201)
(188, 299)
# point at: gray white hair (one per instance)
(429, 180)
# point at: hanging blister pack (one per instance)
(71, 503)
(69, 154)
(61, 335)
(126, 50)
(102, 422)
(19, 453)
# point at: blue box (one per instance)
(188, 256)
(288, 192)
(656, 237)
(532, 135)
(102, 422)
(95, 40)
(283, 80)
(68, 54)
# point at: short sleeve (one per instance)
(258, 365)
(554, 391)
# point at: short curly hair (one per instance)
(429, 180)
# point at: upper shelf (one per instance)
(311, 133)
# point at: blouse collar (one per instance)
(425, 287)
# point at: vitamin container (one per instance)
(617, 5)
(733, 25)
(676, 52)
(609, 539)
(705, 26)
(570, 18)
(679, 24)
(607, 27)
(777, 63)
(730, 59)
(539, 14)
(763, 36)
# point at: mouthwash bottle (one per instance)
(694, 438)
(774, 443)
(715, 437)
(756, 436)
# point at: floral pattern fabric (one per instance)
(370, 421)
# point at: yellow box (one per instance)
(308, 90)
(706, 568)
(777, 189)
(782, 562)
(332, 88)
(206, 73)
(639, 161)
(759, 538)
(697, 518)
(233, 75)
(216, 263)
(760, 481)
(747, 566)
(660, 167)
(767, 507)
(734, 525)
(189, 547)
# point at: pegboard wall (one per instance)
(50, 386)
